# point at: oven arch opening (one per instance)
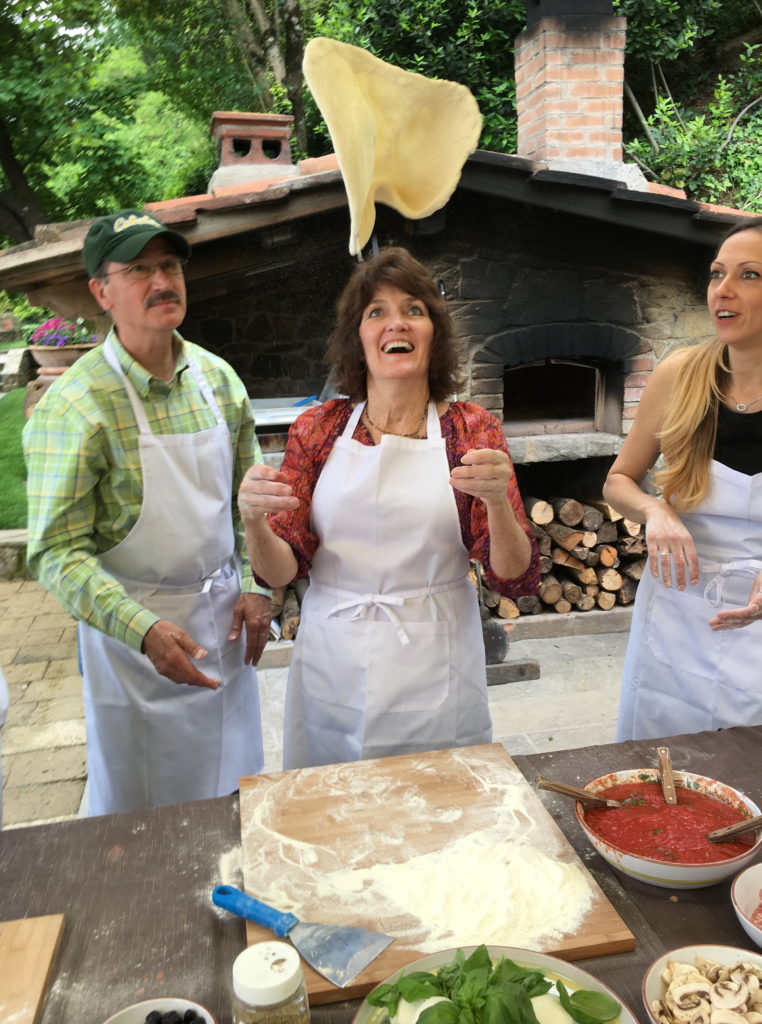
(558, 377)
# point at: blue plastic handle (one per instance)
(238, 902)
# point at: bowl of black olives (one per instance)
(163, 1011)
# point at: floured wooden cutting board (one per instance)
(427, 847)
(27, 948)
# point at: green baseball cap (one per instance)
(121, 236)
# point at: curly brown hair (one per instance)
(396, 267)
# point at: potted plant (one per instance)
(60, 342)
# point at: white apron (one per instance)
(389, 657)
(679, 675)
(151, 741)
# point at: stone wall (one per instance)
(509, 270)
(275, 334)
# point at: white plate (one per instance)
(744, 895)
(136, 1014)
(728, 956)
(551, 966)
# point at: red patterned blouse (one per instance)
(464, 426)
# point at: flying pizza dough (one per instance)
(400, 138)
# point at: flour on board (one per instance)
(398, 858)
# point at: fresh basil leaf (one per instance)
(419, 985)
(534, 981)
(478, 960)
(440, 1013)
(467, 1016)
(508, 1004)
(385, 995)
(472, 987)
(449, 975)
(410, 987)
(588, 1007)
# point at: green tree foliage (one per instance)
(224, 54)
(466, 41)
(714, 153)
(108, 102)
(662, 30)
(81, 128)
(694, 83)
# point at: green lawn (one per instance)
(12, 469)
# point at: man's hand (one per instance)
(255, 610)
(170, 649)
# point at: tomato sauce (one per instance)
(648, 827)
(756, 917)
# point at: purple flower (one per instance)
(59, 332)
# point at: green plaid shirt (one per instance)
(84, 483)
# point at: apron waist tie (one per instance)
(384, 602)
(714, 589)
(214, 581)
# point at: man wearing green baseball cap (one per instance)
(119, 237)
(134, 459)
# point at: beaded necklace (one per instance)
(413, 433)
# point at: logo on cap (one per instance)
(124, 223)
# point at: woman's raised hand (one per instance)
(670, 548)
(484, 473)
(264, 490)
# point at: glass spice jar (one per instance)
(268, 986)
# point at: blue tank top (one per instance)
(739, 440)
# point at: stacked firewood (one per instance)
(286, 610)
(591, 557)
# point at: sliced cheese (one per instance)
(400, 138)
(548, 1010)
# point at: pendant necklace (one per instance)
(413, 433)
(743, 406)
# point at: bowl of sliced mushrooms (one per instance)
(705, 985)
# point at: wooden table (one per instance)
(135, 889)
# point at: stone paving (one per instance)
(44, 734)
(572, 704)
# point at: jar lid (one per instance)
(266, 973)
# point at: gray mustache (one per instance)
(167, 296)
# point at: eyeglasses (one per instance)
(172, 266)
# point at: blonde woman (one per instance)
(693, 659)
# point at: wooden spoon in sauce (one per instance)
(722, 835)
(666, 777)
(585, 796)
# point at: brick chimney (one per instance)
(251, 147)
(569, 64)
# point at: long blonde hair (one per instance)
(689, 430)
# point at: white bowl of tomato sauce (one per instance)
(664, 844)
(746, 897)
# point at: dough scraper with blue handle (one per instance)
(338, 952)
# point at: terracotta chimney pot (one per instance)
(251, 147)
